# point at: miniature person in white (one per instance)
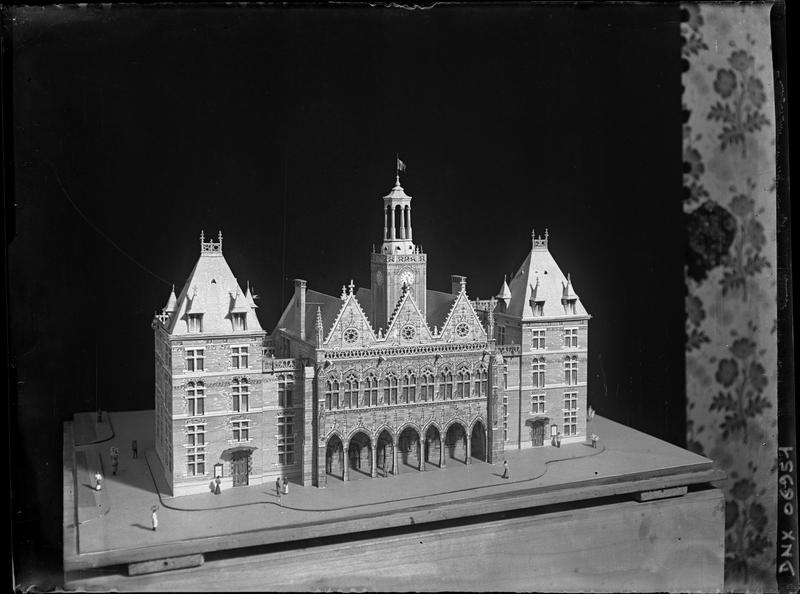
(154, 517)
(98, 480)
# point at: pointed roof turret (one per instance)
(240, 304)
(172, 302)
(569, 292)
(504, 294)
(251, 299)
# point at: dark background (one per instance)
(136, 127)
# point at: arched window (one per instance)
(537, 368)
(571, 371)
(409, 387)
(332, 394)
(426, 387)
(390, 389)
(481, 382)
(195, 399)
(351, 391)
(446, 384)
(371, 391)
(462, 383)
(240, 395)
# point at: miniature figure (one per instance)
(285, 486)
(594, 440)
(154, 517)
(98, 481)
(114, 460)
(505, 470)
(135, 448)
(217, 489)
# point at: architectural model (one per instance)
(394, 374)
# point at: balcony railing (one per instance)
(509, 349)
(272, 364)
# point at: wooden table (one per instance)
(654, 523)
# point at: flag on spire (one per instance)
(400, 165)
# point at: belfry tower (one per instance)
(399, 262)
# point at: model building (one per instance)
(369, 381)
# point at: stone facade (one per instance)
(375, 381)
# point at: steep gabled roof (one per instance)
(437, 306)
(211, 289)
(364, 297)
(539, 276)
(328, 305)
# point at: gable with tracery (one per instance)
(407, 325)
(351, 330)
(462, 323)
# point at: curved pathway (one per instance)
(470, 489)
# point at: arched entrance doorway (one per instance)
(334, 457)
(478, 441)
(359, 455)
(433, 446)
(385, 454)
(455, 443)
(408, 449)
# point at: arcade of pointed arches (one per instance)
(386, 451)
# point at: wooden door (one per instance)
(239, 470)
(538, 434)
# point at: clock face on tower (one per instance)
(407, 278)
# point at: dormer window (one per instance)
(569, 306)
(195, 321)
(538, 308)
(239, 321)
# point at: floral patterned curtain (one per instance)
(731, 272)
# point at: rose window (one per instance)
(408, 332)
(350, 335)
(462, 329)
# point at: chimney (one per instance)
(300, 303)
(457, 283)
